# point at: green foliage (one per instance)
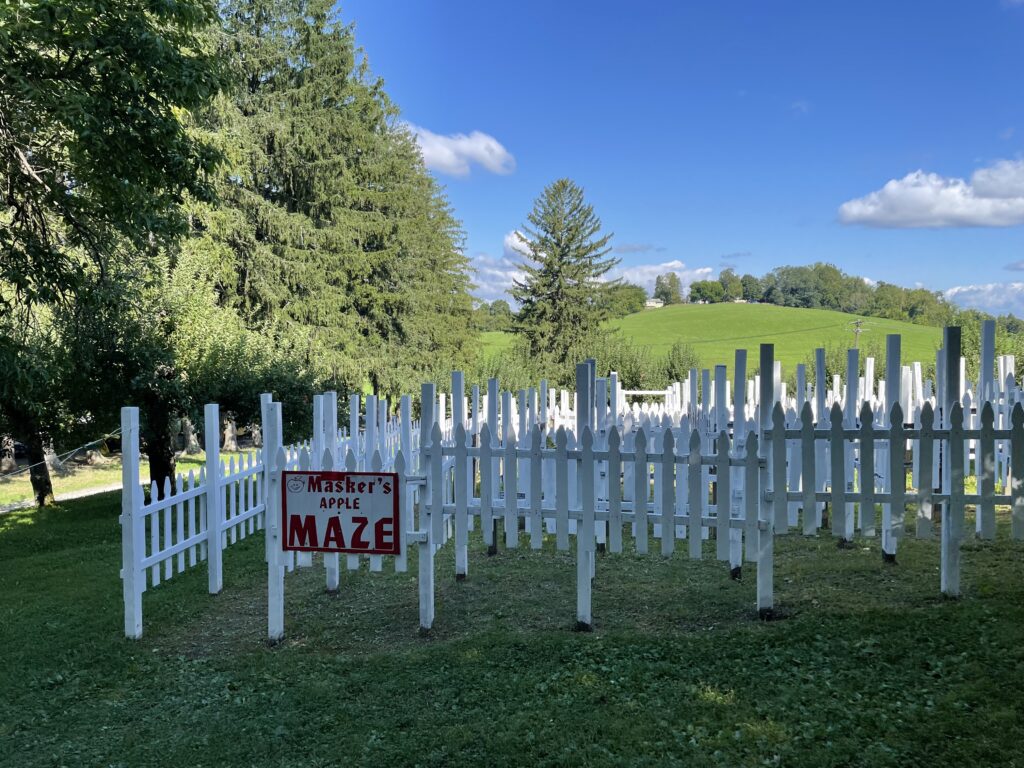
(559, 296)
(732, 285)
(330, 235)
(752, 288)
(620, 299)
(680, 359)
(94, 156)
(706, 292)
(496, 316)
(668, 288)
(516, 367)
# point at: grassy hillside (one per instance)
(717, 330)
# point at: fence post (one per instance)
(585, 543)
(133, 525)
(265, 401)
(406, 498)
(461, 495)
(214, 511)
(765, 523)
(276, 459)
(953, 520)
(329, 443)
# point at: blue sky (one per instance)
(886, 138)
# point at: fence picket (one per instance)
(723, 497)
(614, 477)
(780, 505)
(985, 511)
(953, 520)
(926, 483)
(668, 493)
(893, 513)
(751, 473)
(561, 490)
(1017, 472)
(697, 492)
(536, 524)
(808, 476)
(585, 533)
(461, 504)
(641, 490)
(511, 486)
(866, 476)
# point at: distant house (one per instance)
(654, 304)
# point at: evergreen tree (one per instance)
(331, 236)
(559, 296)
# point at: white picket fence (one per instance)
(175, 530)
(597, 469)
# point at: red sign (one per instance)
(351, 512)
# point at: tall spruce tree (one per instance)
(330, 236)
(559, 296)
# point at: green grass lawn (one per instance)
(716, 331)
(869, 667)
(83, 477)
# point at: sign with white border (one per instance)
(347, 512)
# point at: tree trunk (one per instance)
(160, 448)
(42, 487)
(230, 436)
(7, 461)
(191, 443)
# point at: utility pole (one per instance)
(857, 331)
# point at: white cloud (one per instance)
(994, 197)
(644, 274)
(455, 153)
(514, 245)
(1004, 180)
(494, 275)
(869, 282)
(996, 298)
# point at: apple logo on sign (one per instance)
(296, 484)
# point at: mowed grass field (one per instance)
(716, 331)
(869, 665)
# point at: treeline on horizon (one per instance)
(816, 286)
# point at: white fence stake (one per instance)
(133, 525)
(585, 544)
(276, 459)
(953, 520)
(213, 496)
(461, 500)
